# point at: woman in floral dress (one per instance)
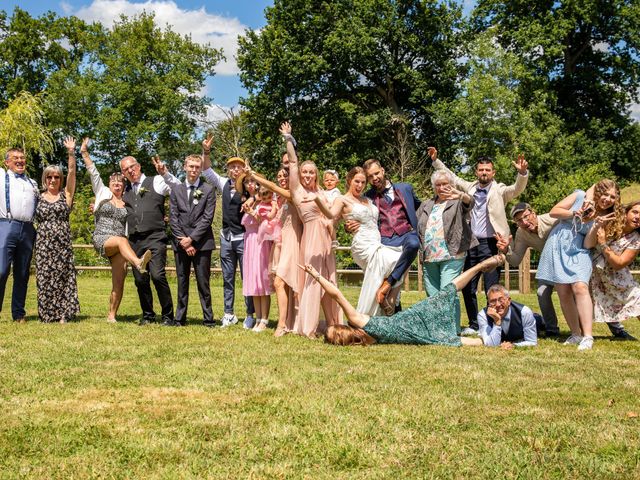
(616, 295)
(55, 271)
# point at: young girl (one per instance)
(330, 181)
(256, 281)
(270, 229)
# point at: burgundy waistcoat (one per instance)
(393, 217)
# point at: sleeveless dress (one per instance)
(616, 295)
(110, 222)
(564, 259)
(429, 322)
(287, 267)
(55, 271)
(377, 260)
(256, 278)
(315, 249)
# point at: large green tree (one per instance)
(583, 55)
(135, 88)
(356, 78)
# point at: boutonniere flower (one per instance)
(142, 191)
(196, 195)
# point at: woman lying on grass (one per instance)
(429, 322)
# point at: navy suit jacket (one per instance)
(189, 220)
(407, 196)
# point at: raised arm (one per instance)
(294, 172)
(512, 191)
(70, 187)
(437, 164)
(97, 185)
(269, 184)
(206, 151)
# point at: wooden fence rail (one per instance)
(524, 271)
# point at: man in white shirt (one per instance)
(17, 235)
(144, 198)
(506, 323)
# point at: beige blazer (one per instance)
(499, 195)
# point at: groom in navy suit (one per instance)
(397, 221)
(191, 205)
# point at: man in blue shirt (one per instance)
(507, 323)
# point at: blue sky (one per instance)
(215, 21)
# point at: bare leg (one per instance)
(118, 274)
(569, 308)
(265, 306)
(354, 317)
(584, 305)
(120, 245)
(471, 342)
(257, 305)
(465, 277)
(283, 301)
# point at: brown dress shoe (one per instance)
(20, 320)
(382, 292)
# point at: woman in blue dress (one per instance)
(565, 261)
(429, 322)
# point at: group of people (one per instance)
(281, 236)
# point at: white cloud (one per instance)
(635, 111)
(217, 30)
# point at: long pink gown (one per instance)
(256, 280)
(287, 268)
(315, 249)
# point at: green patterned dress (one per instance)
(429, 322)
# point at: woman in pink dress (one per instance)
(315, 245)
(286, 275)
(256, 280)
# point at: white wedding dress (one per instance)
(367, 250)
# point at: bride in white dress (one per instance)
(375, 259)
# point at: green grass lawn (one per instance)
(95, 400)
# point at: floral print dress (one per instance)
(55, 271)
(616, 295)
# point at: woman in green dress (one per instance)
(429, 322)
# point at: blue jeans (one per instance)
(231, 257)
(437, 275)
(16, 248)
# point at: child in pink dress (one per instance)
(257, 282)
(268, 211)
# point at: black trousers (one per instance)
(486, 248)
(155, 241)
(201, 262)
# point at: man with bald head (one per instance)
(144, 199)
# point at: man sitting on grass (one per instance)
(507, 323)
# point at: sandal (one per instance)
(280, 332)
(261, 326)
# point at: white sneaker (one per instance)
(574, 340)
(468, 332)
(229, 319)
(586, 343)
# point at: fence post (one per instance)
(507, 276)
(524, 273)
(419, 276)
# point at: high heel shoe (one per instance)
(142, 268)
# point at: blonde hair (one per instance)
(52, 169)
(193, 158)
(313, 164)
(613, 229)
(345, 335)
